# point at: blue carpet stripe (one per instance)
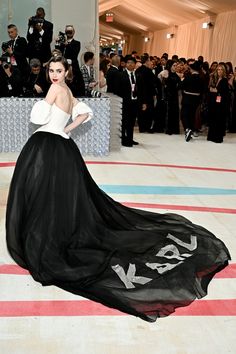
(165, 190)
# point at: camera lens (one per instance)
(5, 66)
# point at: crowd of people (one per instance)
(162, 92)
(158, 93)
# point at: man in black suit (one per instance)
(149, 92)
(10, 79)
(36, 84)
(17, 51)
(70, 49)
(113, 74)
(161, 66)
(39, 36)
(130, 89)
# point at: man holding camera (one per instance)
(10, 78)
(70, 49)
(39, 36)
(16, 50)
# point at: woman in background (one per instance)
(218, 104)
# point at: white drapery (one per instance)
(191, 40)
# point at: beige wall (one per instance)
(83, 15)
(190, 40)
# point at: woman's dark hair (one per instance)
(229, 67)
(103, 66)
(64, 62)
(169, 64)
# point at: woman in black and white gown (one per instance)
(69, 233)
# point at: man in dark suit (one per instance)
(39, 36)
(149, 92)
(113, 74)
(130, 89)
(36, 84)
(161, 66)
(70, 49)
(17, 51)
(10, 79)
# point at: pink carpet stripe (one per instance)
(179, 207)
(90, 308)
(216, 169)
(7, 164)
(12, 269)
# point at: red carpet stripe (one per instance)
(12, 269)
(7, 164)
(90, 308)
(217, 169)
(214, 169)
(180, 207)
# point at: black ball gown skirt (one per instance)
(67, 232)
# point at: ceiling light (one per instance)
(207, 25)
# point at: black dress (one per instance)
(69, 233)
(218, 111)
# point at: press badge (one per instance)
(218, 99)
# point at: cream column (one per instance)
(83, 15)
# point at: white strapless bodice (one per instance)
(53, 119)
(57, 122)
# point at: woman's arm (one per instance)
(81, 113)
(79, 120)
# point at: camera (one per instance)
(5, 45)
(61, 38)
(5, 66)
(5, 62)
(96, 94)
(34, 20)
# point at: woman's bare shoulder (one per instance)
(55, 88)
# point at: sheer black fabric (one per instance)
(69, 233)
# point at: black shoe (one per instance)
(135, 143)
(127, 144)
(188, 134)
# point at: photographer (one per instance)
(10, 79)
(36, 84)
(70, 49)
(39, 36)
(16, 50)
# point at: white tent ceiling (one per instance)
(142, 16)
